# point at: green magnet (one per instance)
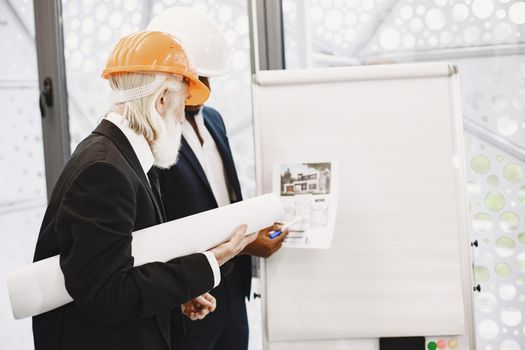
(432, 346)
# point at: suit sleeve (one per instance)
(94, 225)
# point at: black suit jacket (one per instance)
(186, 191)
(101, 197)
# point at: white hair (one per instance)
(141, 113)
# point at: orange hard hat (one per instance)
(156, 52)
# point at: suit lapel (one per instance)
(187, 153)
(227, 159)
(112, 132)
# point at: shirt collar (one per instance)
(138, 142)
(189, 133)
(199, 120)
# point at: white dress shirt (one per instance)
(143, 151)
(209, 158)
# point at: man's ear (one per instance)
(162, 102)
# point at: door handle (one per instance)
(46, 96)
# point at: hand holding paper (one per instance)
(234, 246)
(40, 287)
(264, 245)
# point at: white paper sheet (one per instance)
(40, 287)
(308, 191)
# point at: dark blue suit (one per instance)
(186, 191)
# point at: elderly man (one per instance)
(106, 191)
(205, 178)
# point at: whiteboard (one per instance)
(399, 264)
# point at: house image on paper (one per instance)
(315, 181)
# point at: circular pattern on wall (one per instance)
(480, 164)
(507, 291)
(510, 316)
(468, 23)
(488, 329)
(517, 12)
(505, 246)
(482, 223)
(495, 187)
(509, 221)
(494, 201)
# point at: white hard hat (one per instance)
(200, 36)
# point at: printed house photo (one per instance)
(305, 178)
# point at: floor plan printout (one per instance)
(308, 190)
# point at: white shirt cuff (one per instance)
(214, 267)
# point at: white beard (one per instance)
(166, 148)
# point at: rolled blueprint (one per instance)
(39, 287)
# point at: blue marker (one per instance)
(274, 234)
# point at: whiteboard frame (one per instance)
(381, 72)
